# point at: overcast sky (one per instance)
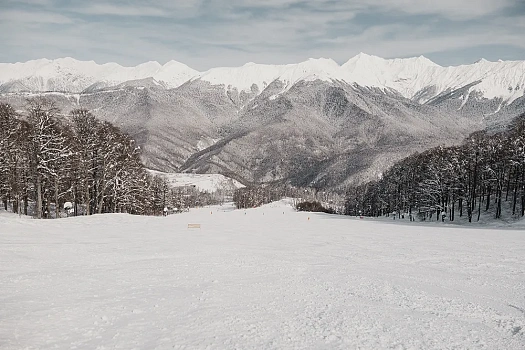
(210, 33)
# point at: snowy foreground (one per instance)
(266, 278)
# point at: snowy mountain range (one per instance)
(313, 123)
(417, 78)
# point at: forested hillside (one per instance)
(481, 175)
(48, 159)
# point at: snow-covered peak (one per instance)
(481, 61)
(174, 74)
(368, 70)
(362, 58)
(175, 65)
(419, 62)
(408, 76)
(243, 78)
(326, 64)
(151, 66)
(68, 74)
(310, 70)
(365, 59)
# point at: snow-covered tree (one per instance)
(482, 173)
(8, 139)
(49, 152)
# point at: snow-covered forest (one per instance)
(48, 159)
(480, 175)
(256, 196)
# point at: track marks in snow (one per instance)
(250, 280)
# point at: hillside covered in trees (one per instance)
(482, 174)
(48, 159)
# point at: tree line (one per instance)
(257, 195)
(482, 174)
(48, 159)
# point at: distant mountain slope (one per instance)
(326, 134)
(314, 123)
(414, 78)
(203, 182)
(70, 75)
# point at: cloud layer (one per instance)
(209, 33)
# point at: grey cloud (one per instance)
(206, 33)
(112, 10)
(33, 17)
(454, 9)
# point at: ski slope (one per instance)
(266, 278)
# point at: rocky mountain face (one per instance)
(314, 123)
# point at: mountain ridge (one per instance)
(408, 76)
(315, 123)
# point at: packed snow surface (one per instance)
(266, 278)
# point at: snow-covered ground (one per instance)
(203, 182)
(266, 278)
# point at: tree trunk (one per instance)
(508, 185)
(488, 198)
(14, 203)
(26, 204)
(479, 205)
(522, 192)
(452, 209)
(101, 201)
(514, 199)
(39, 196)
(56, 198)
(500, 196)
(472, 199)
(94, 196)
(75, 198)
(498, 208)
(87, 199)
